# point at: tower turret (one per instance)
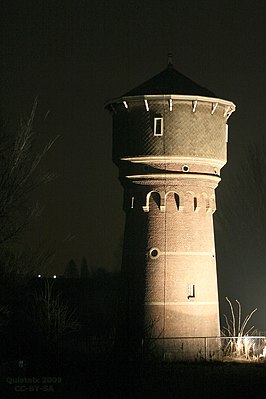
(169, 143)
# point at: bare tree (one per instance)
(19, 177)
(52, 319)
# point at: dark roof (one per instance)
(170, 81)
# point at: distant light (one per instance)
(146, 105)
(54, 276)
(39, 275)
(125, 104)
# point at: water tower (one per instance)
(169, 143)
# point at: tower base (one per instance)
(183, 349)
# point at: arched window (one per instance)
(153, 201)
(172, 199)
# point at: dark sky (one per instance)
(75, 55)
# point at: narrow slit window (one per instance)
(191, 291)
(158, 127)
(195, 203)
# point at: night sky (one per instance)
(75, 55)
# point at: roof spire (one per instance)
(170, 60)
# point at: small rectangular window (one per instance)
(191, 291)
(158, 127)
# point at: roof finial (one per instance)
(170, 60)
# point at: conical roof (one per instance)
(170, 81)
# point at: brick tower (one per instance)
(169, 143)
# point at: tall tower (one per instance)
(169, 143)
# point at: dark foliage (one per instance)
(71, 270)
